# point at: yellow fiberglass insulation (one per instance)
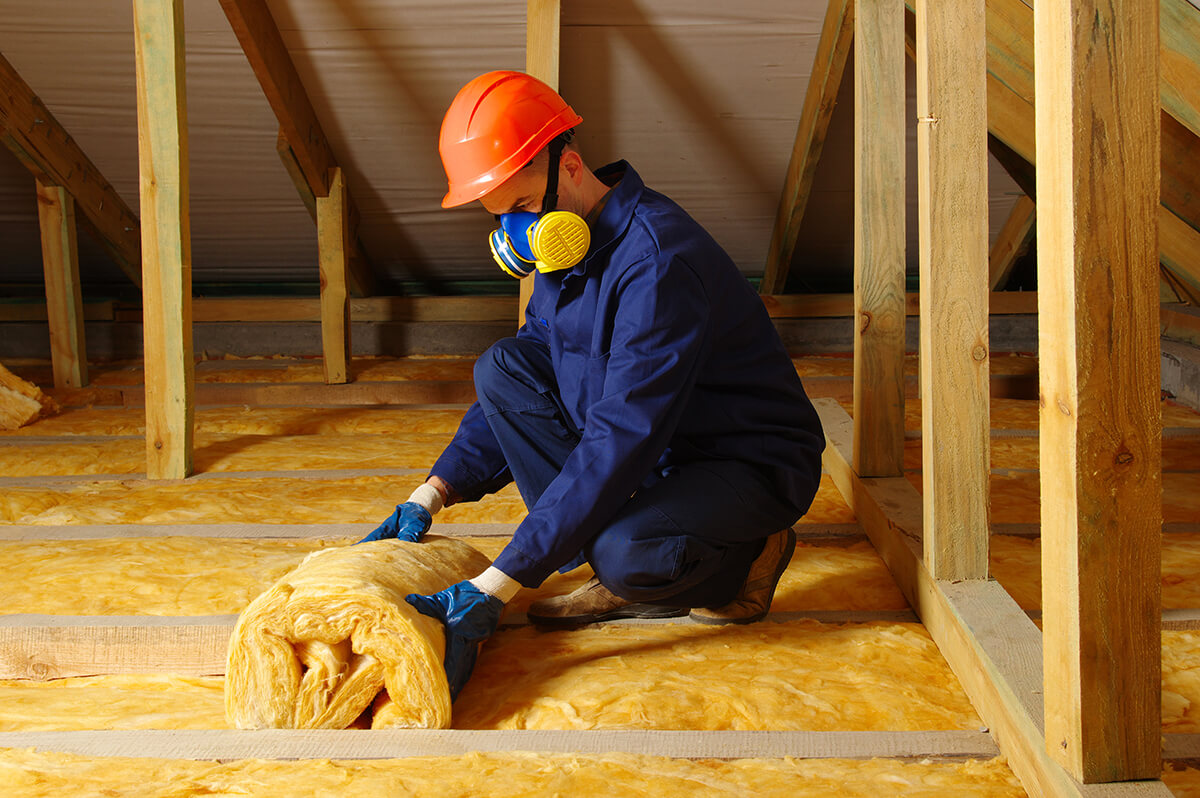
(515, 774)
(789, 675)
(279, 500)
(335, 637)
(178, 575)
(794, 675)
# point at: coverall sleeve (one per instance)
(658, 340)
(472, 463)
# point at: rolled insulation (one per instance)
(335, 638)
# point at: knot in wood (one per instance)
(864, 320)
(979, 353)
(1124, 457)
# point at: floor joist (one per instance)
(395, 743)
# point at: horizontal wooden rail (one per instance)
(221, 744)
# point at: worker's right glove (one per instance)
(471, 616)
(411, 520)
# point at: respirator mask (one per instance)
(546, 241)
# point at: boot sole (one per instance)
(784, 560)
(636, 611)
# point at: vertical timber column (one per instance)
(953, 218)
(64, 300)
(333, 249)
(166, 237)
(1097, 122)
(879, 200)
(543, 20)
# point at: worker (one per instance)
(647, 409)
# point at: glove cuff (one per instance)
(428, 497)
(496, 583)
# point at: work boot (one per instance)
(754, 600)
(592, 602)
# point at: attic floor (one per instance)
(346, 464)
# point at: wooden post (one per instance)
(879, 263)
(1098, 177)
(953, 225)
(166, 237)
(543, 21)
(333, 245)
(64, 300)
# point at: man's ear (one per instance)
(573, 163)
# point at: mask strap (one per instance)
(550, 200)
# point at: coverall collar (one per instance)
(618, 209)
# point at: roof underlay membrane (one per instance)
(701, 96)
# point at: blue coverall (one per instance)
(648, 411)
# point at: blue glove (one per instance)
(471, 616)
(409, 522)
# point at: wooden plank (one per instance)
(879, 238)
(1179, 244)
(377, 308)
(263, 45)
(362, 280)
(333, 242)
(1098, 151)
(796, 306)
(1180, 323)
(406, 392)
(102, 310)
(1012, 242)
(45, 647)
(991, 645)
(166, 237)
(285, 744)
(543, 23)
(250, 531)
(953, 229)
(1180, 61)
(302, 146)
(41, 143)
(819, 101)
(64, 298)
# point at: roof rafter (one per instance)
(819, 100)
(264, 48)
(1010, 125)
(45, 147)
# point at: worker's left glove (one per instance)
(411, 520)
(471, 616)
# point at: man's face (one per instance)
(524, 191)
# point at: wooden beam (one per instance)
(879, 238)
(1179, 244)
(1101, 482)
(64, 299)
(1180, 323)
(819, 101)
(543, 23)
(263, 45)
(1180, 61)
(41, 143)
(1012, 242)
(229, 744)
(166, 237)
(953, 228)
(989, 642)
(333, 245)
(303, 147)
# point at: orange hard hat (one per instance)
(495, 126)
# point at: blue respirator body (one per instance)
(546, 242)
